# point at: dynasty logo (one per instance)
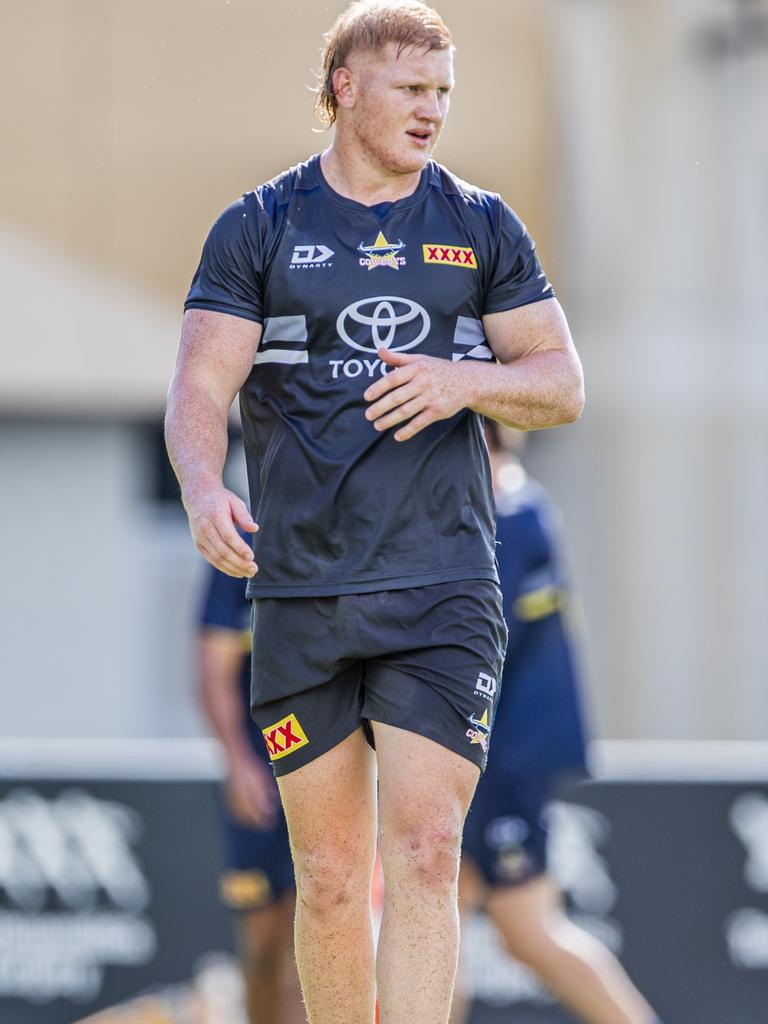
(382, 254)
(284, 737)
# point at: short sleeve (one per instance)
(517, 278)
(229, 277)
(224, 602)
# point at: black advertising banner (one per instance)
(108, 889)
(673, 878)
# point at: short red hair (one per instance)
(370, 25)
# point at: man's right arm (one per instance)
(215, 356)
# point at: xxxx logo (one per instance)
(284, 737)
(450, 255)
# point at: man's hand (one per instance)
(213, 514)
(251, 793)
(421, 389)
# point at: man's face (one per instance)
(398, 104)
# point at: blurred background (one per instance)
(633, 141)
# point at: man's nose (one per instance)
(430, 109)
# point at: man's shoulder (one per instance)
(473, 196)
(256, 211)
(278, 191)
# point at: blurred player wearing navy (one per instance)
(258, 882)
(538, 743)
(369, 307)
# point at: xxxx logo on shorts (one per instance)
(450, 255)
(284, 737)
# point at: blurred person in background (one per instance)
(258, 882)
(538, 743)
(377, 612)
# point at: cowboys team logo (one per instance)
(385, 321)
(480, 730)
(284, 737)
(382, 254)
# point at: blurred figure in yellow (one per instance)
(538, 740)
(258, 883)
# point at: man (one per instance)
(258, 884)
(538, 741)
(377, 613)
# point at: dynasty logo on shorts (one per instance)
(284, 737)
(450, 255)
(485, 686)
(480, 730)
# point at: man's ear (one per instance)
(344, 87)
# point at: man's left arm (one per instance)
(536, 383)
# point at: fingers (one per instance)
(417, 423)
(421, 389)
(223, 547)
(253, 800)
(390, 381)
(250, 812)
(212, 521)
(242, 515)
(397, 398)
(237, 569)
(401, 413)
(396, 358)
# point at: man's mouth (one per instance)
(421, 135)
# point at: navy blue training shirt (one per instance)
(538, 729)
(343, 508)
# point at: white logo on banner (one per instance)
(72, 893)
(746, 929)
(576, 834)
(749, 819)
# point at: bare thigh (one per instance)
(330, 807)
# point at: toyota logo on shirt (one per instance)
(385, 321)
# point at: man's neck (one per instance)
(356, 177)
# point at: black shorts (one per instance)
(426, 659)
(506, 830)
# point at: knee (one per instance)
(424, 854)
(330, 880)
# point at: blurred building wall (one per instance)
(632, 141)
(663, 114)
(127, 129)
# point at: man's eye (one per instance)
(414, 88)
